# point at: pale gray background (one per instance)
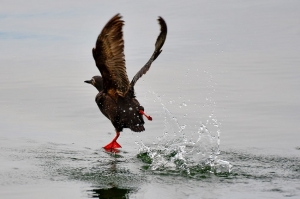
(234, 61)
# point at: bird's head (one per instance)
(96, 81)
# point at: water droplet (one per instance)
(130, 108)
(124, 111)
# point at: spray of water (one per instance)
(177, 152)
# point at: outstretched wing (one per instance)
(158, 45)
(110, 59)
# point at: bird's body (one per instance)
(116, 98)
(123, 113)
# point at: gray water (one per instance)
(224, 97)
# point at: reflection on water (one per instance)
(112, 150)
(112, 193)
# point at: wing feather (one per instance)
(158, 45)
(110, 59)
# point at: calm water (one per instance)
(224, 97)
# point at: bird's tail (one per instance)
(137, 128)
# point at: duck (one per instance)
(116, 97)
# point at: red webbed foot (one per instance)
(147, 116)
(114, 144)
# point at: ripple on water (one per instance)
(106, 170)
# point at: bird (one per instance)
(116, 98)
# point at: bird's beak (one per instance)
(88, 81)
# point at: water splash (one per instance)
(175, 152)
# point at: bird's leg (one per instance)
(114, 144)
(147, 116)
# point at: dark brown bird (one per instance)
(116, 98)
